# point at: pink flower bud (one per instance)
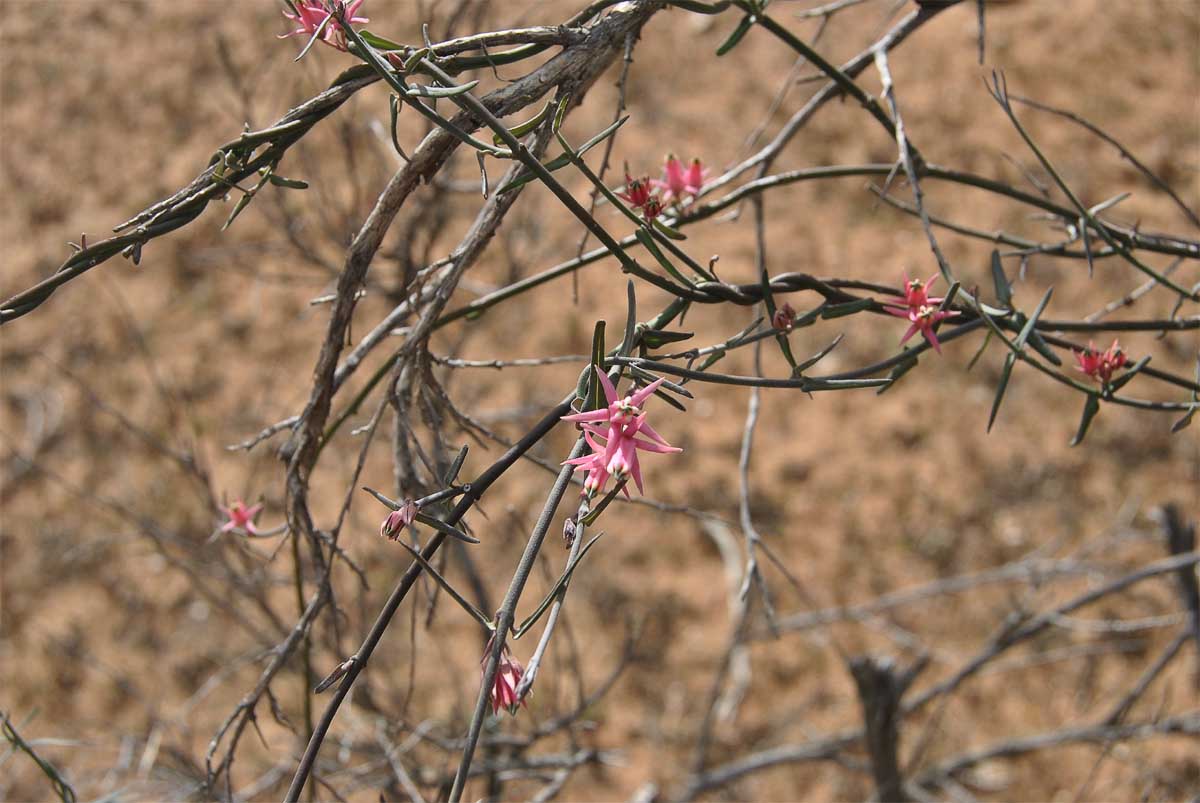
(784, 318)
(397, 520)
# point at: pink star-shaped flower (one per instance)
(310, 14)
(921, 310)
(1100, 365)
(613, 432)
(240, 517)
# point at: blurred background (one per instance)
(129, 633)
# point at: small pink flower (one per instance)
(612, 434)
(694, 178)
(784, 318)
(637, 191)
(397, 520)
(240, 517)
(916, 295)
(504, 686)
(652, 209)
(923, 320)
(678, 181)
(1100, 365)
(921, 310)
(311, 13)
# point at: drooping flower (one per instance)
(612, 433)
(921, 310)
(508, 676)
(784, 318)
(679, 182)
(397, 520)
(240, 517)
(311, 14)
(1100, 365)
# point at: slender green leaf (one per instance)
(456, 466)
(982, 348)
(746, 24)
(379, 42)
(521, 129)
(595, 397)
(674, 234)
(1027, 329)
(426, 91)
(1090, 408)
(1125, 378)
(849, 308)
(647, 240)
(561, 161)
(290, 183)
(657, 338)
(1003, 288)
(1183, 422)
(897, 372)
(1010, 359)
(443, 527)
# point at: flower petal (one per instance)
(639, 397)
(609, 390)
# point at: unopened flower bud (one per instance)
(784, 318)
(397, 520)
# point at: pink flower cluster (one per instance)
(240, 517)
(1100, 365)
(504, 686)
(310, 14)
(678, 183)
(921, 309)
(612, 434)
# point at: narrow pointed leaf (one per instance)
(1027, 329)
(849, 308)
(443, 527)
(987, 338)
(647, 240)
(1010, 359)
(657, 338)
(595, 397)
(1125, 378)
(379, 42)
(674, 234)
(426, 91)
(1038, 344)
(1090, 408)
(820, 355)
(1183, 422)
(735, 37)
(897, 372)
(630, 320)
(290, 183)
(521, 129)
(1003, 288)
(456, 466)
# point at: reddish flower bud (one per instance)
(397, 520)
(784, 318)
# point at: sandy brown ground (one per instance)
(108, 646)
